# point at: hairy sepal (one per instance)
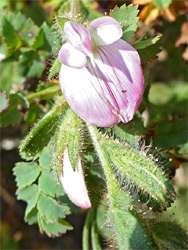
(68, 135)
(40, 135)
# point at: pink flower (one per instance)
(100, 77)
(73, 182)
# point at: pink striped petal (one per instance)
(105, 30)
(73, 182)
(124, 74)
(111, 91)
(71, 57)
(78, 37)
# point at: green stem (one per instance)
(95, 235)
(51, 90)
(97, 141)
(75, 9)
(86, 229)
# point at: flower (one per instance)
(73, 182)
(100, 77)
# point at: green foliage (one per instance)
(30, 64)
(170, 134)
(41, 134)
(55, 68)
(125, 202)
(9, 77)
(74, 10)
(52, 188)
(129, 133)
(127, 177)
(35, 112)
(45, 39)
(144, 43)
(11, 38)
(3, 101)
(148, 48)
(68, 135)
(95, 235)
(162, 232)
(23, 28)
(11, 115)
(127, 17)
(40, 189)
(161, 4)
(26, 173)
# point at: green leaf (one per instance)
(35, 112)
(146, 42)
(50, 209)
(46, 157)
(150, 52)
(11, 115)
(45, 39)
(9, 76)
(26, 193)
(127, 16)
(26, 173)
(11, 38)
(55, 68)
(53, 228)
(4, 102)
(41, 134)
(37, 13)
(161, 4)
(32, 204)
(30, 64)
(169, 235)
(170, 134)
(131, 132)
(32, 216)
(24, 28)
(49, 184)
(135, 170)
(129, 233)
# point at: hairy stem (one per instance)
(75, 9)
(96, 138)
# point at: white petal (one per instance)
(84, 89)
(71, 57)
(78, 36)
(105, 30)
(73, 182)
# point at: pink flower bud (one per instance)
(101, 77)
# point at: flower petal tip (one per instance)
(73, 182)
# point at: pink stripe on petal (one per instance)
(78, 36)
(105, 30)
(120, 65)
(73, 182)
(109, 92)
